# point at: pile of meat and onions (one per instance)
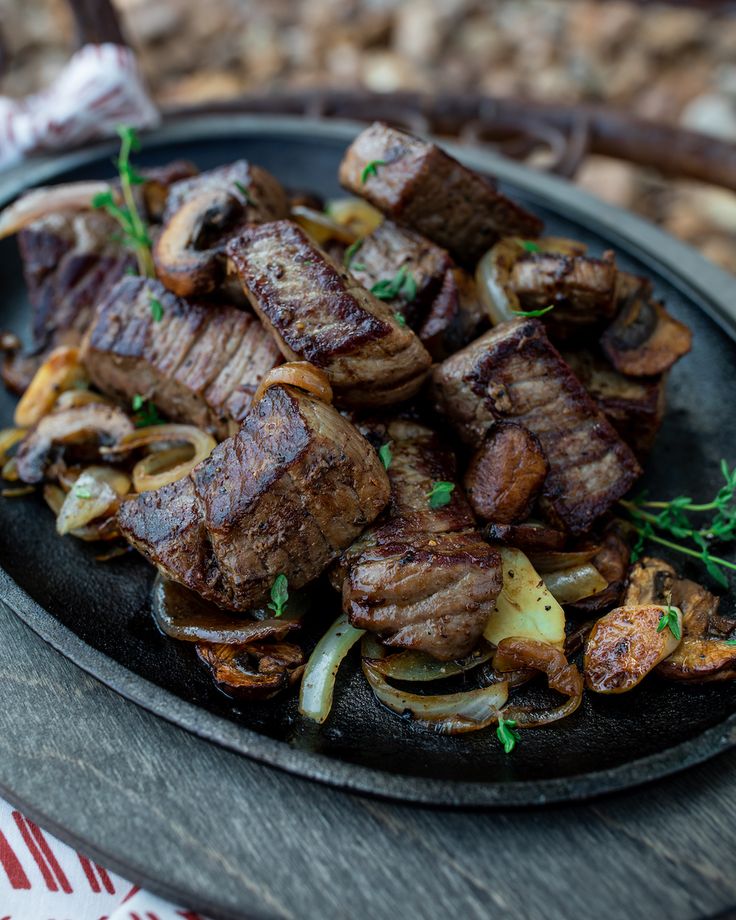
(414, 394)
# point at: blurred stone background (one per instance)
(672, 63)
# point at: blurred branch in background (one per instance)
(672, 63)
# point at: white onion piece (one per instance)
(10, 471)
(320, 227)
(42, 201)
(95, 493)
(318, 683)
(491, 277)
(102, 529)
(62, 370)
(569, 585)
(145, 477)
(448, 713)
(356, 214)
(418, 666)
(72, 399)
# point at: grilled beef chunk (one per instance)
(506, 474)
(319, 312)
(418, 185)
(71, 258)
(70, 261)
(202, 214)
(513, 372)
(198, 364)
(633, 405)
(287, 494)
(421, 282)
(644, 339)
(422, 578)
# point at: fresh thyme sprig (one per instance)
(145, 411)
(507, 734)
(386, 455)
(657, 521)
(440, 494)
(670, 620)
(403, 282)
(534, 313)
(279, 595)
(370, 169)
(135, 232)
(530, 246)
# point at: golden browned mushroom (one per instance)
(255, 672)
(96, 423)
(627, 643)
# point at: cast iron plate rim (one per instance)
(711, 286)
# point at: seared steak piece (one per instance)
(506, 474)
(419, 280)
(70, 260)
(418, 185)
(514, 372)
(422, 578)
(644, 339)
(202, 214)
(318, 312)
(199, 364)
(287, 494)
(633, 405)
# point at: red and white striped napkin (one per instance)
(44, 879)
(100, 88)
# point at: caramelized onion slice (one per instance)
(513, 654)
(151, 472)
(556, 560)
(570, 585)
(418, 666)
(318, 683)
(72, 399)
(161, 467)
(355, 214)
(492, 277)
(300, 374)
(62, 370)
(42, 201)
(102, 529)
(9, 437)
(449, 713)
(321, 227)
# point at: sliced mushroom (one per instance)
(202, 214)
(17, 369)
(627, 644)
(529, 536)
(254, 672)
(650, 582)
(92, 426)
(506, 474)
(644, 339)
(700, 661)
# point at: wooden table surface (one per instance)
(236, 839)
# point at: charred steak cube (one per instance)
(418, 185)
(287, 494)
(514, 372)
(421, 577)
(319, 313)
(420, 281)
(198, 363)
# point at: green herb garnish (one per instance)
(402, 283)
(371, 169)
(279, 594)
(400, 319)
(81, 492)
(507, 734)
(244, 192)
(157, 309)
(440, 494)
(385, 454)
(530, 246)
(654, 519)
(135, 232)
(146, 412)
(670, 620)
(351, 251)
(533, 313)
(730, 641)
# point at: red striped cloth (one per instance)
(100, 88)
(44, 879)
